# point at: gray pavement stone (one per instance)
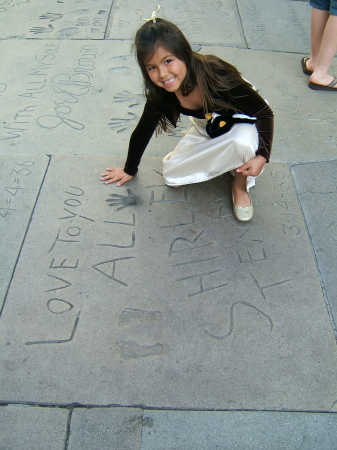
(106, 429)
(86, 98)
(70, 98)
(316, 184)
(63, 95)
(32, 428)
(194, 430)
(161, 298)
(282, 26)
(233, 315)
(20, 180)
(213, 22)
(73, 19)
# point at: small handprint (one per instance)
(51, 16)
(127, 96)
(39, 30)
(123, 124)
(123, 200)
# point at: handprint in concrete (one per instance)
(123, 201)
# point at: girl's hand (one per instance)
(253, 167)
(113, 175)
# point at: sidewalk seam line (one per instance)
(25, 235)
(72, 406)
(66, 442)
(319, 273)
(109, 22)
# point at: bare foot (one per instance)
(309, 64)
(322, 80)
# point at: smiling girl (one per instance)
(180, 81)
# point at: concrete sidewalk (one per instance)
(145, 317)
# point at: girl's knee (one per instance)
(246, 144)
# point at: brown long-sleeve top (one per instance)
(244, 99)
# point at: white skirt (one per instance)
(199, 158)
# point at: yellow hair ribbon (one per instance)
(154, 14)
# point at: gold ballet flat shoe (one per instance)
(243, 213)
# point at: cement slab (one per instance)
(282, 26)
(213, 22)
(73, 19)
(179, 430)
(32, 428)
(159, 297)
(82, 19)
(69, 97)
(316, 185)
(79, 98)
(106, 429)
(20, 181)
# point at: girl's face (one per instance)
(165, 70)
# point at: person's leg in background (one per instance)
(323, 44)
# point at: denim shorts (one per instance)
(325, 5)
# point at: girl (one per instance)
(181, 81)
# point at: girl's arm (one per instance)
(140, 138)
(137, 145)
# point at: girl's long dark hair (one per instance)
(213, 75)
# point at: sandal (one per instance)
(320, 87)
(305, 70)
